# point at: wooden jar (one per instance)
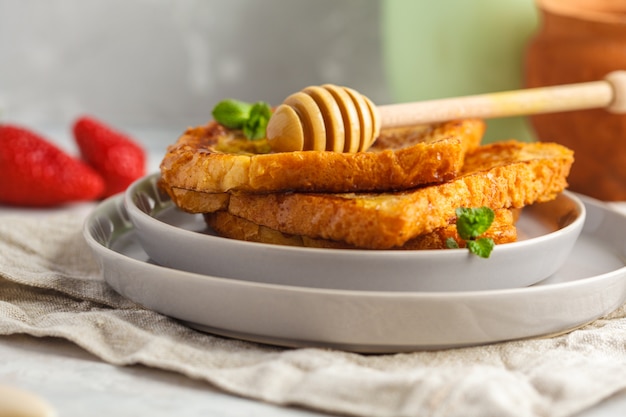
(578, 41)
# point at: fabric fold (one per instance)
(51, 286)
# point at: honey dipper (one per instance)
(340, 119)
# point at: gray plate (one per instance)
(590, 284)
(182, 241)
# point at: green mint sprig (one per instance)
(252, 118)
(471, 223)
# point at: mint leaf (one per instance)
(254, 128)
(481, 247)
(451, 243)
(251, 118)
(473, 222)
(232, 113)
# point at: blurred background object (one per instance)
(451, 48)
(578, 41)
(163, 64)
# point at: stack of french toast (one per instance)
(402, 193)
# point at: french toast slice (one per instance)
(502, 230)
(507, 174)
(213, 159)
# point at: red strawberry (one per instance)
(113, 154)
(34, 172)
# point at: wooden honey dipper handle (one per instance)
(609, 93)
(342, 120)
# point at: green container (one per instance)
(449, 48)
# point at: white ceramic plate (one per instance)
(590, 284)
(182, 241)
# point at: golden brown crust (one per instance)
(203, 160)
(196, 202)
(502, 231)
(501, 175)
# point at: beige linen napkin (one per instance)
(50, 286)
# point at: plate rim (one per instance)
(117, 201)
(423, 253)
(552, 230)
(308, 331)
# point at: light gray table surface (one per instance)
(77, 384)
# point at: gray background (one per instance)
(159, 66)
(164, 63)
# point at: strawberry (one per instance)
(113, 154)
(36, 173)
